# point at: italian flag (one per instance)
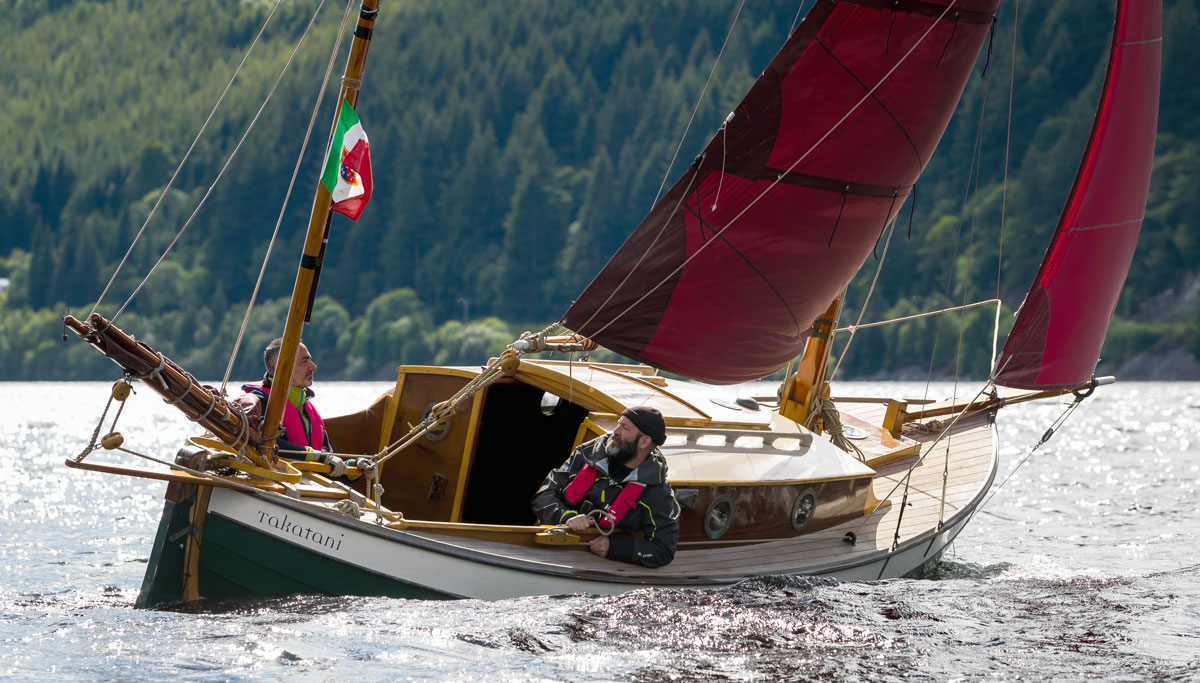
(348, 171)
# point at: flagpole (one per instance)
(314, 242)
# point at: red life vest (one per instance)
(293, 425)
(620, 507)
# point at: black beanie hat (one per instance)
(649, 422)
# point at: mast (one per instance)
(318, 233)
(801, 391)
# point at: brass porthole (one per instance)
(719, 517)
(803, 509)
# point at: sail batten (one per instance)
(1060, 326)
(724, 277)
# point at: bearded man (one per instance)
(621, 480)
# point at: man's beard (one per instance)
(620, 452)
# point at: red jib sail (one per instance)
(724, 277)
(1055, 341)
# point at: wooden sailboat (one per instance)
(711, 285)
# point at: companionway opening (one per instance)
(519, 443)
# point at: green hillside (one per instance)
(515, 145)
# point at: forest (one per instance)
(514, 146)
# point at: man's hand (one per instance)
(579, 522)
(599, 546)
(336, 466)
(365, 465)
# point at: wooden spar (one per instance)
(202, 405)
(996, 400)
(318, 227)
(801, 390)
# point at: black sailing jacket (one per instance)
(656, 515)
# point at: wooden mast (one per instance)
(318, 230)
(800, 392)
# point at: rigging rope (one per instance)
(1012, 75)
(972, 175)
(187, 154)
(1054, 426)
(225, 167)
(862, 311)
(796, 19)
(337, 46)
(120, 396)
(499, 367)
(828, 413)
(906, 479)
(724, 153)
(890, 321)
(695, 109)
(962, 315)
(869, 95)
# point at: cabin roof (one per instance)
(610, 388)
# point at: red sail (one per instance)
(724, 277)
(1055, 342)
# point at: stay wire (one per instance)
(1012, 75)
(906, 479)
(970, 199)
(796, 19)
(966, 281)
(1054, 426)
(225, 167)
(703, 92)
(186, 155)
(337, 46)
(867, 300)
(868, 95)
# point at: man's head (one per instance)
(638, 431)
(302, 370)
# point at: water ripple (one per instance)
(1083, 566)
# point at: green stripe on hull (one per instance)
(236, 561)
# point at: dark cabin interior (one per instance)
(519, 442)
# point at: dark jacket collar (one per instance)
(653, 469)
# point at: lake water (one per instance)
(1085, 565)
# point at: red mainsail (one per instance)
(1056, 339)
(724, 277)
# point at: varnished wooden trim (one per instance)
(468, 455)
(389, 412)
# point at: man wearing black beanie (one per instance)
(618, 480)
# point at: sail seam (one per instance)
(920, 8)
(1120, 224)
(760, 196)
(871, 95)
(716, 235)
(816, 182)
(1141, 42)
